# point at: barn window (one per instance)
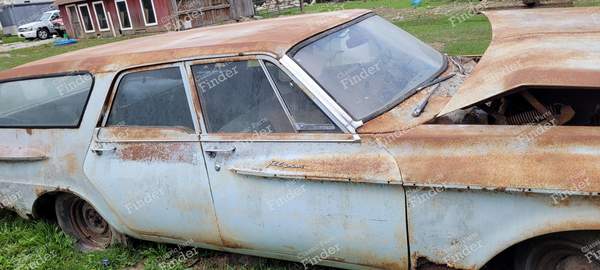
(123, 14)
(148, 12)
(86, 18)
(101, 18)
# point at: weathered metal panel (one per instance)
(61, 169)
(523, 42)
(316, 207)
(464, 229)
(498, 157)
(157, 182)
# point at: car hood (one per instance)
(540, 47)
(31, 24)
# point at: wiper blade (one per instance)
(421, 106)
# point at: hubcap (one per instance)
(43, 34)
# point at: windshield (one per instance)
(369, 66)
(46, 16)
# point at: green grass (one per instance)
(359, 4)
(470, 37)
(41, 245)
(21, 56)
(11, 39)
(324, 7)
(586, 3)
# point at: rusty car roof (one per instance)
(275, 36)
(541, 47)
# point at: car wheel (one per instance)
(43, 33)
(78, 218)
(557, 253)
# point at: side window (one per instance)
(154, 98)
(304, 112)
(46, 102)
(237, 97)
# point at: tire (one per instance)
(43, 33)
(79, 219)
(561, 252)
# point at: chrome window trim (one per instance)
(340, 122)
(321, 96)
(278, 95)
(209, 138)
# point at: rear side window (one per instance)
(237, 97)
(154, 98)
(45, 102)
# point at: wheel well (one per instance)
(43, 207)
(505, 259)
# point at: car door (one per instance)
(146, 158)
(289, 182)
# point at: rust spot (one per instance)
(492, 157)
(168, 152)
(39, 191)
(28, 131)
(425, 264)
(359, 168)
(72, 164)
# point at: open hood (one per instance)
(541, 47)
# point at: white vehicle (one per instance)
(42, 28)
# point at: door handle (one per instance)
(100, 151)
(212, 152)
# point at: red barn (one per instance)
(93, 18)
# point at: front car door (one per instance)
(288, 180)
(146, 158)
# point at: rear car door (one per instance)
(146, 158)
(283, 172)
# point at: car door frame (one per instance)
(104, 144)
(236, 238)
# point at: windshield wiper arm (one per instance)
(421, 106)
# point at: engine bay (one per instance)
(528, 106)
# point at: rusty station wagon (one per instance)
(333, 139)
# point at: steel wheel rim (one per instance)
(91, 228)
(566, 258)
